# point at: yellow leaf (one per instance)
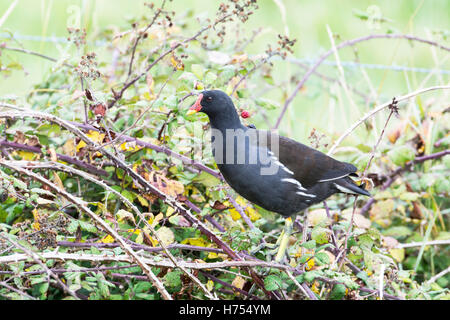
(253, 214)
(238, 282)
(135, 231)
(176, 63)
(95, 136)
(36, 217)
(143, 201)
(316, 287)
(140, 238)
(398, 254)
(310, 264)
(213, 255)
(107, 239)
(209, 285)
(198, 242)
(166, 235)
(81, 145)
(124, 215)
(169, 211)
(235, 215)
(26, 155)
(150, 82)
(58, 181)
(35, 214)
(130, 146)
(240, 201)
(154, 221)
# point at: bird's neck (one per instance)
(226, 121)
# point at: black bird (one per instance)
(272, 171)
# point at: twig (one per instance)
(419, 244)
(236, 289)
(87, 166)
(80, 204)
(340, 46)
(394, 109)
(162, 149)
(241, 212)
(59, 166)
(33, 54)
(137, 246)
(393, 175)
(333, 234)
(118, 95)
(378, 109)
(139, 181)
(168, 264)
(37, 259)
(141, 34)
(301, 287)
(439, 275)
(165, 263)
(340, 69)
(7, 286)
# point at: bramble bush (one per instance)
(109, 191)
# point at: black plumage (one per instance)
(272, 171)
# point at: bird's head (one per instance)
(213, 103)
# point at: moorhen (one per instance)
(272, 171)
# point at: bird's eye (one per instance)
(209, 99)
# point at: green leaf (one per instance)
(142, 286)
(198, 70)
(311, 244)
(129, 195)
(365, 241)
(311, 275)
(320, 235)
(402, 154)
(173, 278)
(20, 184)
(85, 226)
(338, 292)
(398, 232)
(272, 282)
(363, 276)
(171, 102)
(206, 179)
(322, 258)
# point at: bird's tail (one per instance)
(347, 185)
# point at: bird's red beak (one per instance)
(196, 107)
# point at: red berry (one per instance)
(245, 114)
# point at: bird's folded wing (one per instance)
(309, 166)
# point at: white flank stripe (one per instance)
(297, 183)
(287, 170)
(343, 189)
(305, 194)
(277, 162)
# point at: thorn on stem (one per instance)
(394, 106)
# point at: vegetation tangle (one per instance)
(109, 190)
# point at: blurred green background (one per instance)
(40, 25)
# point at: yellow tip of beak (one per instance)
(191, 111)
